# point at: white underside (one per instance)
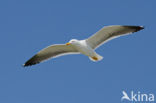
(85, 49)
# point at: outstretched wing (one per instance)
(110, 32)
(51, 52)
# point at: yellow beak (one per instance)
(67, 43)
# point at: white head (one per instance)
(73, 41)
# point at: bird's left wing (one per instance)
(110, 32)
(51, 52)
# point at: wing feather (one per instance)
(110, 32)
(51, 52)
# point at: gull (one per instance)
(86, 46)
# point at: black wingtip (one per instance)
(31, 61)
(138, 28)
(141, 27)
(29, 64)
(25, 65)
(135, 28)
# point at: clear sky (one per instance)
(27, 26)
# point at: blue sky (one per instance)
(27, 26)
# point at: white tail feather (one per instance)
(98, 58)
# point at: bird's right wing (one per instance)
(51, 52)
(110, 32)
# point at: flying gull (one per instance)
(86, 46)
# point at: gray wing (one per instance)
(51, 52)
(110, 32)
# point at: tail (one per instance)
(96, 58)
